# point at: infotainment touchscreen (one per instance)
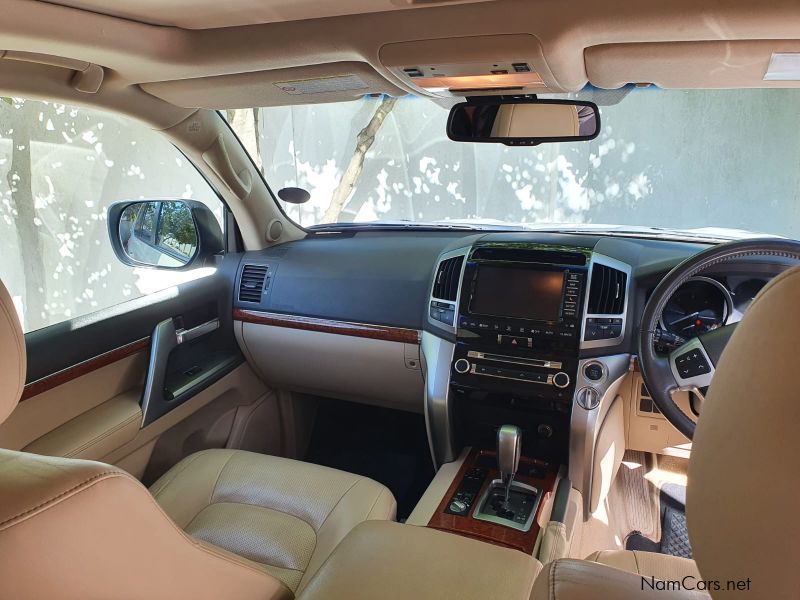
(517, 292)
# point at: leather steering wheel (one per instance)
(691, 367)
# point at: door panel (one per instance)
(87, 378)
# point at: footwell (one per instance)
(674, 533)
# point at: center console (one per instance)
(519, 323)
(517, 315)
(517, 318)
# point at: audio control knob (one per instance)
(561, 380)
(461, 366)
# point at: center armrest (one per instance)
(387, 560)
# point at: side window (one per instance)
(60, 168)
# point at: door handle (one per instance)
(186, 335)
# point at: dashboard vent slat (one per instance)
(607, 292)
(445, 286)
(252, 283)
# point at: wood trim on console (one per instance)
(363, 330)
(483, 530)
(34, 388)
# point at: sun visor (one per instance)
(701, 65)
(332, 82)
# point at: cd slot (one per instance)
(516, 360)
(513, 374)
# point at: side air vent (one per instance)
(607, 293)
(445, 286)
(252, 283)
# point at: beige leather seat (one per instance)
(743, 478)
(85, 530)
(285, 515)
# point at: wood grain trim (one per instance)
(483, 530)
(44, 384)
(363, 330)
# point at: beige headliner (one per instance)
(561, 32)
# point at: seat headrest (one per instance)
(13, 362)
(743, 477)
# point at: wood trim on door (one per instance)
(34, 388)
(363, 330)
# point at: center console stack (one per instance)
(519, 325)
(518, 330)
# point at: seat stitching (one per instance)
(553, 580)
(277, 510)
(58, 497)
(174, 472)
(636, 561)
(219, 476)
(335, 506)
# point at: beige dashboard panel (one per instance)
(708, 64)
(647, 429)
(339, 366)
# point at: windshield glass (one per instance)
(687, 160)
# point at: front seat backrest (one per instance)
(744, 485)
(85, 530)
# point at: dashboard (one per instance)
(473, 328)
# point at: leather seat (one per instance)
(287, 516)
(616, 574)
(76, 529)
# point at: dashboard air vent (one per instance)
(445, 287)
(607, 292)
(252, 283)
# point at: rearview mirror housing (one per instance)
(523, 121)
(164, 234)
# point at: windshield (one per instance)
(687, 160)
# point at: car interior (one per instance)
(389, 299)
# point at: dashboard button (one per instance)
(561, 380)
(593, 371)
(461, 366)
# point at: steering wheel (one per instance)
(691, 367)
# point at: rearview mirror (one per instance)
(523, 121)
(167, 234)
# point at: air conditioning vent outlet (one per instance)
(251, 285)
(607, 290)
(448, 276)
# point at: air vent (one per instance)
(252, 283)
(445, 287)
(607, 293)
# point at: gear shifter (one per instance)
(509, 448)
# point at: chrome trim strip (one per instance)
(585, 424)
(607, 261)
(437, 356)
(515, 485)
(186, 335)
(513, 360)
(548, 382)
(443, 257)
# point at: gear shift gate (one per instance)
(507, 502)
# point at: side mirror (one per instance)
(523, 121)
(165, 234)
